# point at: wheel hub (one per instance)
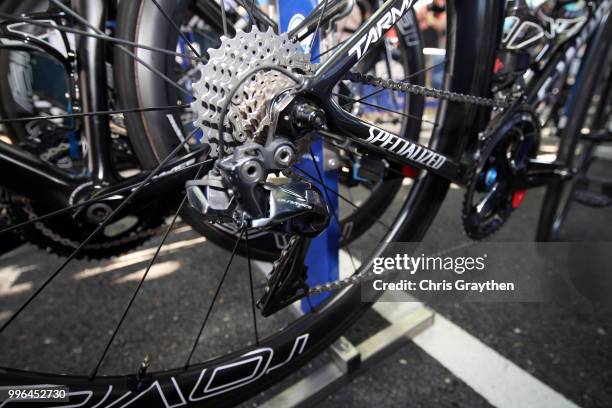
(237, 189)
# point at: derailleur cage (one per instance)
(287, 280)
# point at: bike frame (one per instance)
(30, 176)
(406, 152)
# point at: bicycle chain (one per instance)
(407, 87)
(54, 151)
(365, 276)
(415, 90)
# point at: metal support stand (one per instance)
(322, 257)
(406, 320)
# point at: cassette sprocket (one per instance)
(223, 73)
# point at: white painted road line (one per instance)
(502, 383)
(498, 380)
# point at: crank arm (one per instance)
(540, 173)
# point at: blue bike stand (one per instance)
(322, 258)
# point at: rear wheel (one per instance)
(234, 376)
(363, 200)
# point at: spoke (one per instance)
(328, 51)
(406, 115)
(94, 372)
(178, 30)
(251, 13)
(104, 37)
(223, 18)
(253, 308)
(212, 303)
(340, 196)
(429, 68)
(250, 8)
(99, 228)
(316, 31)
(257, 15)
(314, 161)
(97, 113)
(144, 277)
(68, 10)
(404, 80)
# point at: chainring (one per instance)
(507, 147)
(61, 235)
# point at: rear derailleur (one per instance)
(239, 190)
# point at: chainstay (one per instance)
(425, 91)
(415, 90)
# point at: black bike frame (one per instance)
(333, 70)
(228, 379)
(28, 175)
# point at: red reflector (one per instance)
(499, 65)
(410, 172)
(391, 34)
(517, 198)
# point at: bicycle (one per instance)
(494, 158)
(132, 83)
